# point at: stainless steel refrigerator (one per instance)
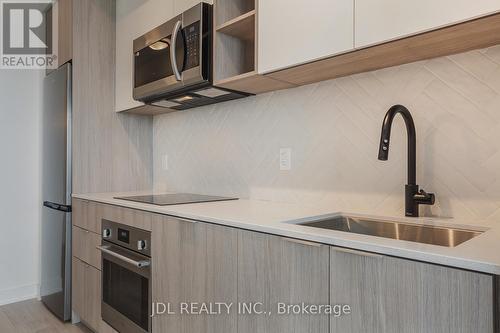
(55, 287)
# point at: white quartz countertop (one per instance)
(481, 253)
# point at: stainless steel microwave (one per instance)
(175, 56)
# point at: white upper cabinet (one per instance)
(293, 32)
(380, 21)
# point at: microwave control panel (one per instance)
(193, 45)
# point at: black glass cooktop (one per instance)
(174, 199)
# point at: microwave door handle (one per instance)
(139, 264)
(173, 56)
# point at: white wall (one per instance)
(20, 201)
(334, 127)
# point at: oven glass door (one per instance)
(126, 291)
(153, 63)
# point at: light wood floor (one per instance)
(33, 317)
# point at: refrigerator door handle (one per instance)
(56, 206)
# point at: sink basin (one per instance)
(419, 233)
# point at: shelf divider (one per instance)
(242, 27)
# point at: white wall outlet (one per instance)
(164, 162)
(285, 159)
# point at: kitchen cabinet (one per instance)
(88, 215)
(84, 215)
(193, 262)
(85, 246)
(295, 32)
(131, 217)
(61, 30)
(86, 276)
(236, 47)
(64, 31)
(86, 294)
(384, 20)
(274, 270)
(392, 295)
(205, 263)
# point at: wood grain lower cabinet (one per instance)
(78, 268)
(193, 262)
(85, 246)
(86, 294)
(276, 270)
(86, 215)
(391, 295)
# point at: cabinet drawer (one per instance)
(84, 215)
(84, 246)
(88, 215)
(132, 217)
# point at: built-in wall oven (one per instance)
(126, 277)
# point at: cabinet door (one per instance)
(293, 32)
(274, 270)
(383, 20)
(92, 298)
(86, 293)
(60, 31)
(64, 31)
(78, 287)
(391, 295)
(193, 262)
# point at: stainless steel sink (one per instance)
(419, 233)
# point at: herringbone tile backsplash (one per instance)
(333, 129)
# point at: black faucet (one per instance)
(413, 196)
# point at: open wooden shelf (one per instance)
(230, 80)
(227, 10)
(233, 56)
(242, 27)
(234, 39)
(235, 49)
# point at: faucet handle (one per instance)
(424, 198)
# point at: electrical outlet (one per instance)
(285, 159)
(164, 162)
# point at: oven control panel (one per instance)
(193, 44)
(134, 239)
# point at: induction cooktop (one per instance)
(174, 199)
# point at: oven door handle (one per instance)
(173, 55)
(139, 264)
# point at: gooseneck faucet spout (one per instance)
(413, 196)
(383, 153)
